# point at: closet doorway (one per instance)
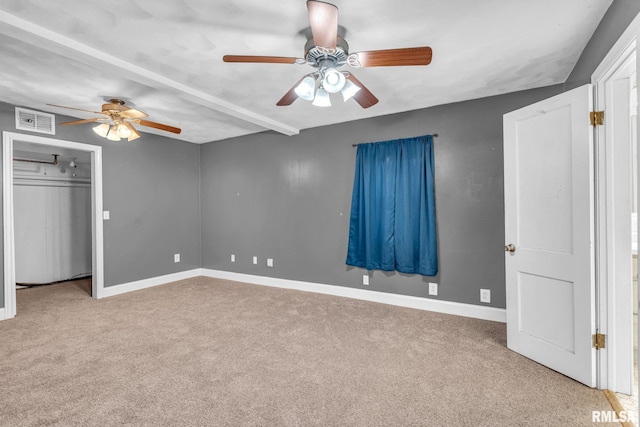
(52, 214)
(32, 147)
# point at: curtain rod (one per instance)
(435, 135)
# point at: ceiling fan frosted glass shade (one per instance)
(123, 131)
(349, 90)
(322, 98)
(306, 88)
(101, 130)
(113, 134)
(133, 134)
(333, 81)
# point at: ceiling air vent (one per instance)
(35, 121)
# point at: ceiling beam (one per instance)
(27, 31)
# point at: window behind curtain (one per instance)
(393, 223)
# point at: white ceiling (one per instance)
(165, 57)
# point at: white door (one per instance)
(548, 171)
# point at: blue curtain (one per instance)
(393, 222)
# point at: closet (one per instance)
(52, 214)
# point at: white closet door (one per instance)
(52, 232)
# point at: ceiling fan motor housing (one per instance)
(114, 105)
(319, 57)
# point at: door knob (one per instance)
(510, 248)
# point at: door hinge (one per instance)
(598, 341)
(596, 118)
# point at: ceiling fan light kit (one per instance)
(327, 52)
(327, 81)
(116, 132)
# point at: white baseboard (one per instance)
(448, 307)
(439, 306)
(110, 291)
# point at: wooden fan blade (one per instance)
(290, 96)
(262, 59)
(323, 18)
(133, 114)
(78, 109)
(364, 97)
(389, 57)
(158, 126)
(79, 122)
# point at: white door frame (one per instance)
(613, 316)
(97, 252)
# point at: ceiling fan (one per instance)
(117, 121)
(327, 52)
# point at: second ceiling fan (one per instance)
(116, 121)
(327, 52)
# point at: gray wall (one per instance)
(289, 197)
(151, 188)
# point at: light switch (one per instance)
(105, 215)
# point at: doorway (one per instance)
(568, 192)
(616, 206)
(94, 156)
(52, 214)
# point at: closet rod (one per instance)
(54, 162)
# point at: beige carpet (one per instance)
(206, 352)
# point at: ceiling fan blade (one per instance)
(290, 96)
(78, 109)
(389, 57)
(79, 122)
(364, 97)
(133, 114)
(323, 18)
(263, 59)
(158, 126)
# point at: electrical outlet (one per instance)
(433, 288)
(233, 258)
(255, 260)
(485, 295)
(269, 262)
(365, 279)
(176, 257)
